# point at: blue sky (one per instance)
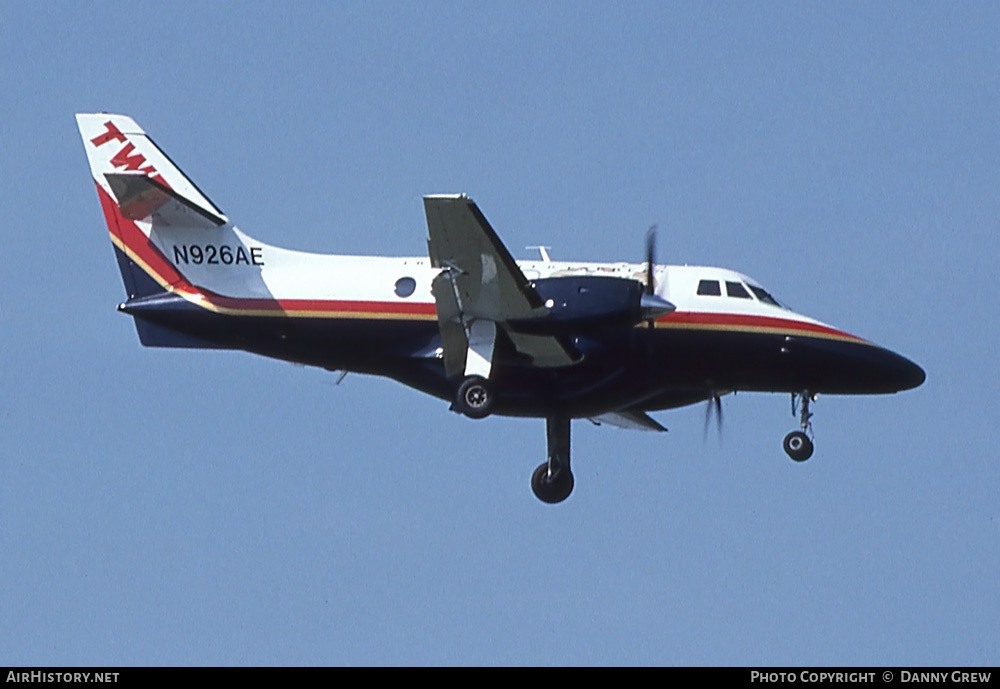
(185, 507)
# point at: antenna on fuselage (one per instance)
(543, 250)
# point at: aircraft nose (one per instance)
(902, 373)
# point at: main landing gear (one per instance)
(552, 481)
(797, 444)
(475, 398)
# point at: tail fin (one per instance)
(149, 204)
(137, 181)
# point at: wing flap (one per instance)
(449, 316)
(545, 351)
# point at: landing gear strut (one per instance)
(552, 481)
(475, 397)
(797, 444)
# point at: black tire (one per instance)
(798, 446)
(551, 490)
(475, 397)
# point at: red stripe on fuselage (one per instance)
(751, 323)
(362, 308)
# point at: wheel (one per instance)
(798, 446)
(551, 489)
(475, 397)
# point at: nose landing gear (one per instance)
(797, 444)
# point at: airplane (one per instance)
(609, 342)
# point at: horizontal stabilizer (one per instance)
(631, 420)
(115, 144)
(141, 197)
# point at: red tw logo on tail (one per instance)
(124, 158)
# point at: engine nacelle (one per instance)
(589, 302)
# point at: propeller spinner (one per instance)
(653, 306)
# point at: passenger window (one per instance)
(405, 287)
(736, 289)
(709, 288)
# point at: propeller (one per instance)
(652, 305)
(713, 408)
(650, 257)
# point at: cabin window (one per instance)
(709, 288)
(405, 287)
(736, 289)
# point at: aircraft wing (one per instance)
(631, 420)
(480, 287)
(489, 283)
(141, 197)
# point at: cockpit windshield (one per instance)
(763, 295)
(737, 289)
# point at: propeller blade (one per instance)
(713, 408)
(718, 416)
(653, 309)
(650, 257)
